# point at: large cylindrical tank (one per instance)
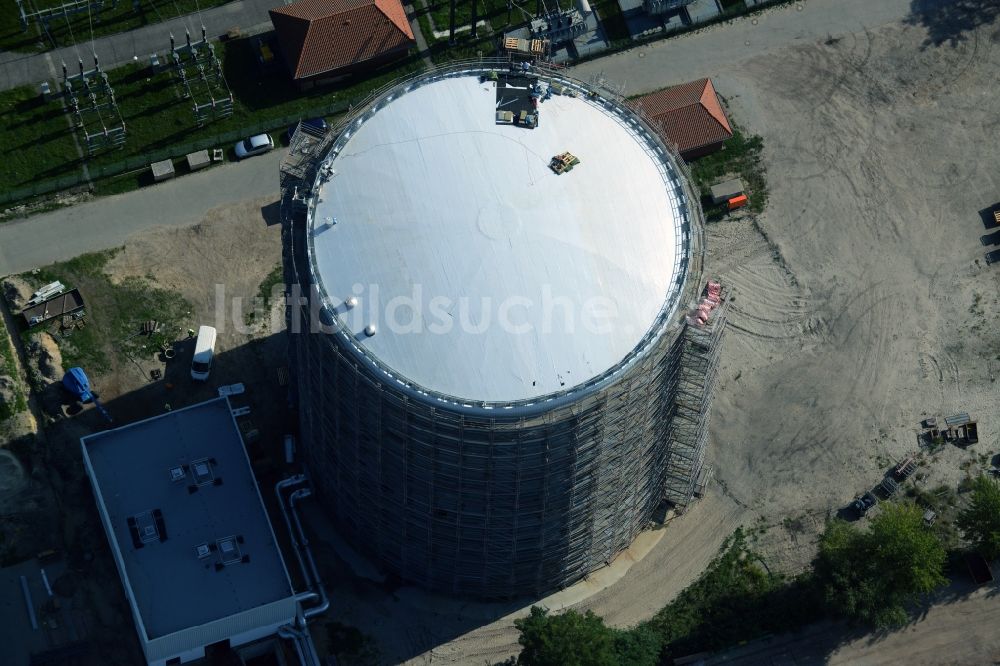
(518, 455)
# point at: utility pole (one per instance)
(451, 25)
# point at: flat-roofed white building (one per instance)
(189, 533)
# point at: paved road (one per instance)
(18, 69)
(107, 222)
(705, 52)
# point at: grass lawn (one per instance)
(8, 367)
(76, 28)
(114, 313)
(265, 292)
(35, 137)
(741, 156)
(38, 145)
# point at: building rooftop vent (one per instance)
(147, 527)
(203, 471)
(202, 550)
(177, 473)
(230, 552)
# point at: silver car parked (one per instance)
(254, 145)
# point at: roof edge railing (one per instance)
(340, 134)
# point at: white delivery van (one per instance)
(204, 350)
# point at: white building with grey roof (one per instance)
(187, 527)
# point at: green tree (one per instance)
(980, 521)
(639, 646)
(567, 639)
(872, 575)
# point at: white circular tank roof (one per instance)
(487, 276)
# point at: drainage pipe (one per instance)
(278, 488)
(300, 543)
(324, 601)
(304, 645)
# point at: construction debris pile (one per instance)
(563, 162)
(710, 301)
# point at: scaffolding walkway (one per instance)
(697, 371)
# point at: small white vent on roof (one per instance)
(370, 330)
(351, 302)
(202, 550)
(177, 473)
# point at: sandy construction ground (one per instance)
(867, 303)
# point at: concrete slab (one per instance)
(162, 170)
(723, 191)
(198, 160)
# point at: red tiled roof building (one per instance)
(324, 40)
(690, 116)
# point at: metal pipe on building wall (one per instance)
(288, 633)
(300, 544)
(304, 645)
(299, 633)
(324, 601)
(286, 483)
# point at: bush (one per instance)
(735, 600)
(980, 521)
(567, 639)
(637, 647)
(871, 576)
